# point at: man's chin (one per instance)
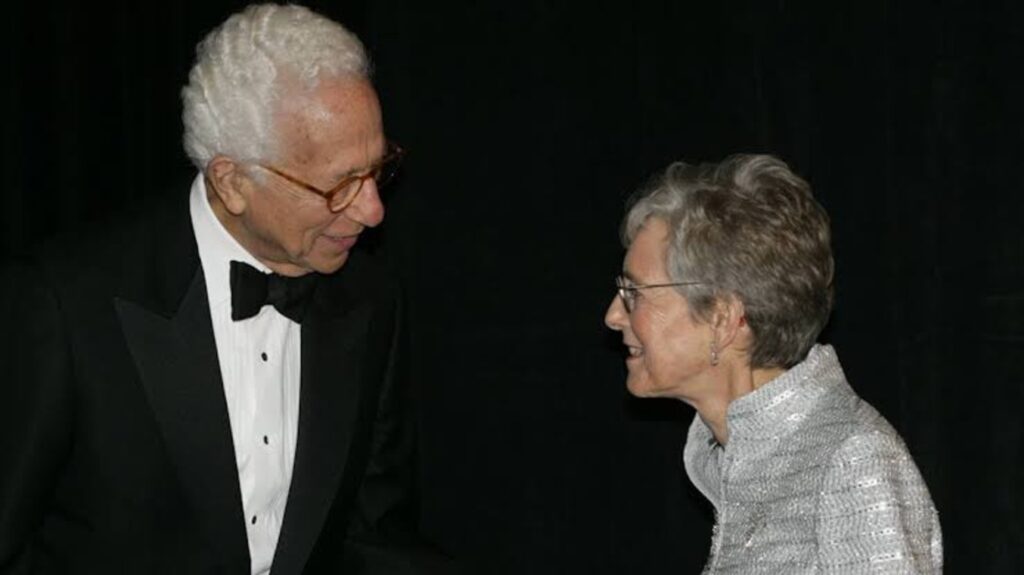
(329, 265)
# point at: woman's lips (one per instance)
(633, 355)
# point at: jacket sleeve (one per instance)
(36, 411)
(383, 535)
(875, 513)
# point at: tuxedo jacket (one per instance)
(117, 453)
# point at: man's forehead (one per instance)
(336, 115)
(331, 95)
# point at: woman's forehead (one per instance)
(645, 258)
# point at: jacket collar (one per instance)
(165, 317)
(764, 417)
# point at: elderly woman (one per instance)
(726, 284)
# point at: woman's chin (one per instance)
(640, 387)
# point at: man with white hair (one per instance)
(216, 385)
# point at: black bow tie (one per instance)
(252, 289)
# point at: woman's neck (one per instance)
(734, 383)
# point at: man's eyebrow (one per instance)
(348, 174)
(353, 171)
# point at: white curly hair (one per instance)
(244, 67)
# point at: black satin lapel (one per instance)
(177, 362)
(333, 350)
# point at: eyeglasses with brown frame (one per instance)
(347, 190)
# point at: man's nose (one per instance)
(367, 208)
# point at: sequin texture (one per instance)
(813, 480)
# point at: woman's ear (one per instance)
(229, 183)
(729, 322)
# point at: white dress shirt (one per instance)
(260, 367)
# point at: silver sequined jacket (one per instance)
(813, 480)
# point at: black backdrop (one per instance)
(528, 125)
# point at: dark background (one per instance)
(528, 125)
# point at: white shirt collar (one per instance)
(217, 247)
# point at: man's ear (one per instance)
(229, 183)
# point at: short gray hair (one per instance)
(747, 228)
(244, 66)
